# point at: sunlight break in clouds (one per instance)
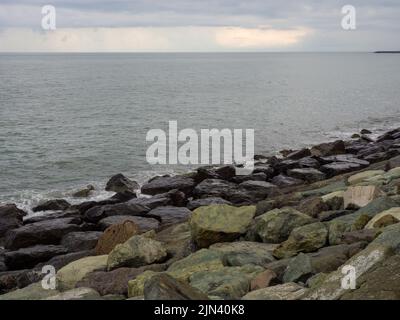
(236, 37)
(142, 39)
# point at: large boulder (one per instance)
(226, 283)
(10, 218)
(164, 184)
(313, 206)
(115, 234)
(80, 241)
(129, 208)
(385, 218)
(259, 189)
(306, 174)
(220, 223)
(34, 291)
(296, 155)
(241, 253)
(26, 258)
(143, 223)
(53, 205)
(306, 238)
(359, 196)
(360, 177)
(287, 291)
(136, 252)
(329, 149)
(45, 232)
(164, 287)
(170, 215)
(283, 181)
(194, 204)
(121, 184)
(71, 274)
(276, 225)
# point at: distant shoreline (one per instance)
(387, 52)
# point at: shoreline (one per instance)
(331, 194)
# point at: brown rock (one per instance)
(114, 235)
(262, 280)
(313, 206)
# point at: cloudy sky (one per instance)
(198, 25)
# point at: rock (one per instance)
(165, 184)
(84, 193)
(307, 174)
(202, 260)
(316, 280)
(381, 156)
(259, 189)
(364, 235)
(337, 168)
(130, 208)
(346, 158)
(245, 252)
(365, 131)
(121, 184)
(392, 163)
(116, 281)
(70, 213)
(355, 136)
(262, 280)
(11, 280)
(34, 291)
(219, 223)
(144, 224)
(62, 260)
(383, 283)
(390, 237)
(360, 177)
(334, 200)
(227, 283)
(309, 162)
(330, 188)
(377, 206)
(136, 252)
(333, 214)
(194, 204)
(76, 294)
(299, 269)
(210, 172)
(260, 176)
(384, 219)
(164, 287)
(45, 232)
(306, 238)
(170, 215)
(80, 241)
(328, 149)
(136, 286)
(360, 196)
(313, 206)
(54, 205)
(287, 291)
(10, 218)
(331, 288)
(276, 225)
(263, 168)
(283, 181)
(26, 258)
(296, 155)
(114, 235)
(72, 273)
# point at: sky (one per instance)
(199, 26)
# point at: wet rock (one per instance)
(70, 213)
(210, 172)
(381, 156)
(45, 232)
(313, 206)
(76, 294)
(283, 181)
(287, 291)
(336, 168)
(115, 281)
(296, 155)
(136, 252)
(170, 215)
(263, 168)
(306, 174)
(10, 218)
(219, 223)
(328, 149)
(121, 184)
(83, 193)
(143, 223)
(259, 189)
(241, 253)
(309, 162)
(80, 241)
(26, 258)
(194, 204)
(54, 205)
(260, 176)
(164, 287)
(227, 283)
(306, 238)
(276, 225)
(72, 273)
(114, 235)
(165, 184)
(129, 208)
(359, 196)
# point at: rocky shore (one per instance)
(285, 232)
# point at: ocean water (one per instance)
(67, 120)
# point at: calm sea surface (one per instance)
(67, 120)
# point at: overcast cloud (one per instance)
(201, 25)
